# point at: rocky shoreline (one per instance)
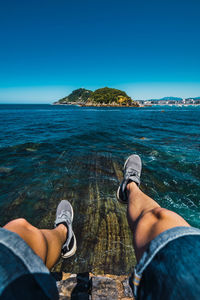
(90, 104)
(95, 287)
(107, 105)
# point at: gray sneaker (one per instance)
(64, 215)
(132, 172)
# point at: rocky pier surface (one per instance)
(95, 287)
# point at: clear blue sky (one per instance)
(149, 48)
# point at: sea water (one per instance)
(49, 153)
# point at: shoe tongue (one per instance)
(63, 217)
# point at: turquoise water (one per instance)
(52, 152)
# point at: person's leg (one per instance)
(47, 244)
(145, 216)
(147, 219)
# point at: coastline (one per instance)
(107, 105)
(139, 105)
(90, 104)
(125, 106)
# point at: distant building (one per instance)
(188, 101)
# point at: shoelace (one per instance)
(64, 214)
(130, 173)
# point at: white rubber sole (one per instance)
(72, 251)
(118, 198)
(72, 210)
(126, 161)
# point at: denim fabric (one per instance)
(22, 273)
(174, 273)
(172, 237)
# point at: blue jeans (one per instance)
(23, 274)
(170, 267)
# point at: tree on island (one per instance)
(110, 96)
(79, 95)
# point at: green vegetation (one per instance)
(110, 96)
(101, 97)
(79, 95)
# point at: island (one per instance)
(101, 97)
(116, 98)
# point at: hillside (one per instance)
(77, 96)
(167, 98)
(109, 96)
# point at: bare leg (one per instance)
(45, 243)
(147, 219)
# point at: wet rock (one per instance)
(5, 170)
(74, 287)
(65, 288)
(127, 289)
(104, 288)
(87, 286)
(31, 149)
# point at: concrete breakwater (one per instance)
(104, 240)
(100, 223)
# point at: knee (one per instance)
(18, 222)
(160, 213)
(21, 222)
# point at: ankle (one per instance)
(132, 192)
(62, 229)
(131, 186)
